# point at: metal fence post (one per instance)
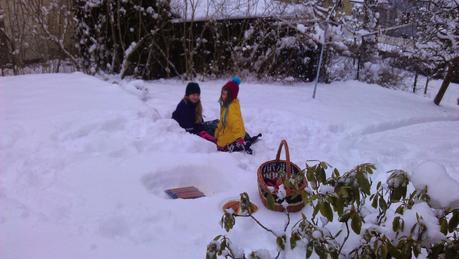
(320, 61)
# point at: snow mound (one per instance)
(442, 189)
(427, 217)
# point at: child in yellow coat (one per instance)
(230, 130)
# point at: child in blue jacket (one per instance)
(188, 113)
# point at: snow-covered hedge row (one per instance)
(145, 39)
(357, 219)
(265, 48)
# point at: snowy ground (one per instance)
(84, 162)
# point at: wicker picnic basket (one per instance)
(271, 173)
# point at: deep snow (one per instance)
(84, 162)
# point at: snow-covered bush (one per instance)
(383, 220)
(341, 68)
(383, 73)
(122, 36)
(145, 39)
(438, 39)
(275, 50)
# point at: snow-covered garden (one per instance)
(126, 130)
(84, 161)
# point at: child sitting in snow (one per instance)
(230, 130)
(188, 113)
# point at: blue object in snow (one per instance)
(236, 79)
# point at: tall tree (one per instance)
(369, 47)
(438, 39)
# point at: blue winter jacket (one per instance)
(185, 115)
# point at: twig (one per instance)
(231, 253)
(258, 222)
(298, 222)
(345, 239)
(288, 220)
(278, 254)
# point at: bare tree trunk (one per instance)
(114, 32)
(446, 82)
(427, 85)
(118, 26)
(58, 67)
(128, 57)
(415, 82)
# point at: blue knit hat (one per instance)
(236, 79)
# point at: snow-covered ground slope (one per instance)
(84, 162)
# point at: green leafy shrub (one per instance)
(402, 225)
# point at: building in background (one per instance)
(398, 12)
(35, 31)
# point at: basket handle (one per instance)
(287, 155)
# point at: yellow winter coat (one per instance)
(233, 129)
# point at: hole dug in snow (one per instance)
(207, 179)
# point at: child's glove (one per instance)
(203, 134)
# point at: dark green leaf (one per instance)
(400, 210)
(310, 174)
(245, 204)
(395, 195)
(321, 176)
(293, 240)
(416, 250)
(270, 199)
(338, 206)
(374, 202)
(320, 251)
(335, 173)
(313, 184)
(326, 211)
(443, 226)
(384, 251)
(345, 217)
(309, 249)
(357, 197)
(342, 191)
(281, 242)
(223, 245)
(316, 209)
(396, 224)
(403, 191)
(454, 221)
(394, 252)
(364, 184)
(305, 197)
(228, 221)
(382, 203)
(356, 222)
